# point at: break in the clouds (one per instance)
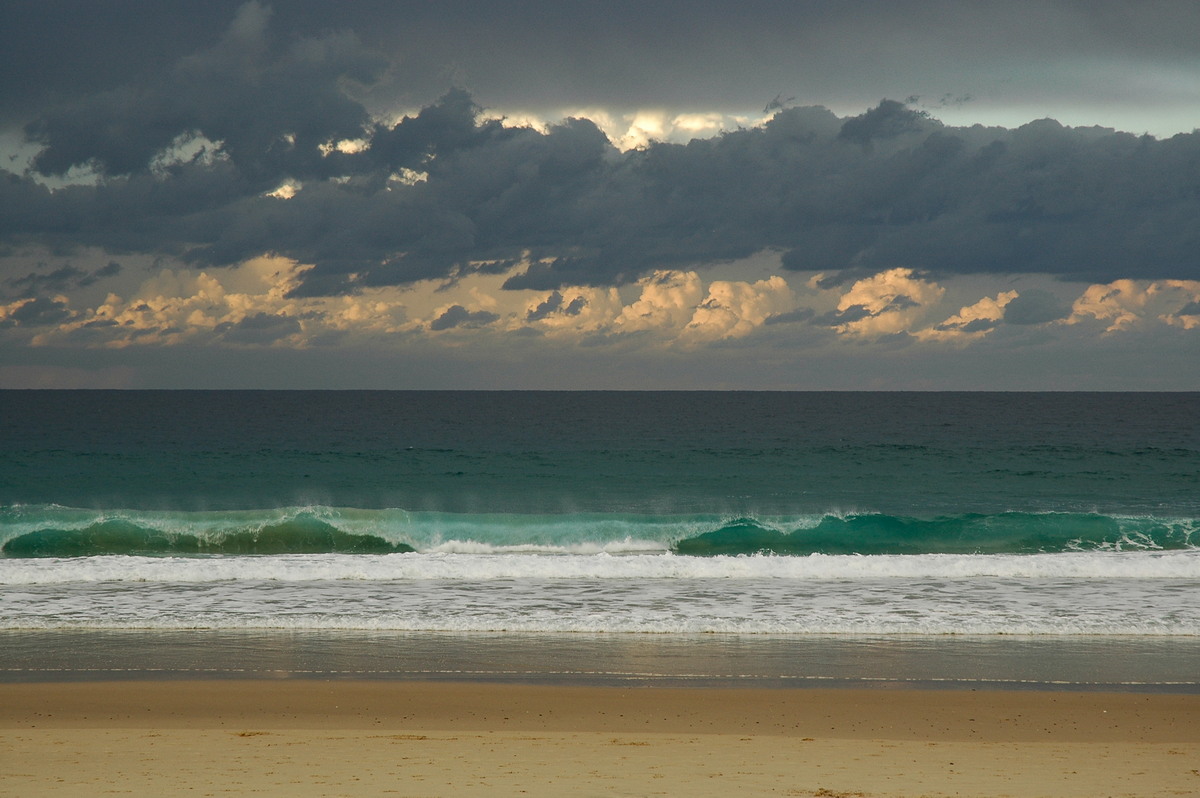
(278, 188)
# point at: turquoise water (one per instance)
(756, 513)
(54, 531)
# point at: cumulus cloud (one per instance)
(668, 300)
(252, 307)
(246, 305)
(573, 310)
(736, 309)
(972, 322)
(1124, 304)
(887, 303)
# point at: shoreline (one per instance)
(803, 662)
(363, 737)
(596, 681)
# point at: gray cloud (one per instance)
(623, 53)
(554, 304)
(458, 316)
(1035, 307)
(848, 315)
(847, 196)
(976, 325)
(37, 313)
(258, 329)
(791, 317)
(64, 278)
(271, 104)
(887, 120)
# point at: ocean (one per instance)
(919, 536)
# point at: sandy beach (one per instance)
(333, 738)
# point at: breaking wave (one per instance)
(55, 531)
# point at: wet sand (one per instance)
(331, 738)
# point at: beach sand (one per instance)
(403, 738)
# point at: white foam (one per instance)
(1092, 593)
(473, 562)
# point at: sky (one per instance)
(875, 195)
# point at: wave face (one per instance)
(1004, 533)
(62, 532)
(52, 531)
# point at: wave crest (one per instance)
(973, 533)
(53, 531)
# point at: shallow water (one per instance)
(963, 662)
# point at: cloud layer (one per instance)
(256, 146)
(273, 203)
(255, 305)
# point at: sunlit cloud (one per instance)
(667, 301)
(1125, 304)
(890, 302)
(177, 305)
(571, 311)
(253, 306)
(286, 190)
(637, 129)
(736, 309)
(972, 322)
(345, 146)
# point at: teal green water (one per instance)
(30, 531)
(87, 472)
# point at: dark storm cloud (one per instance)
(270, 104)
(64, 278)
(625, 53)
(847, 315)
(37, 313)
(186, 156)
(887, 120)
(1032, 306)
(791, 317)
(458, 316)
(555, 305)
(975, 325)
(258, 328)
